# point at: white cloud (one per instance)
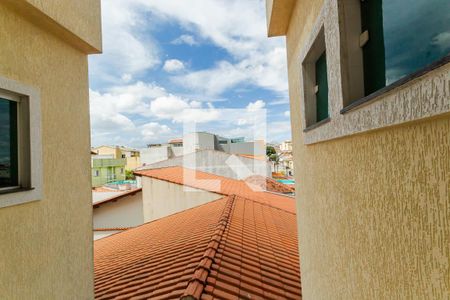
(173, 65)
(257, 105)
(151, 131)
(442, 40)
(287, 114)
(125, 50)
(241, 31)
(179, 110)
(185, 39)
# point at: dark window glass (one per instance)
(322, 84)
(8, 144)
(404, 37)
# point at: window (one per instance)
(20, 144)
(321, 88)
(9, 164)
(121, 170)
(315, 83)
(391, 40)
(123, 155)
(96, 173)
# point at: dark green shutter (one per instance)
(322, 83)
(373, 50)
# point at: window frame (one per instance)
(13, 98)
(309, 80)
(418, 97)
(354, 62)
(29, 144)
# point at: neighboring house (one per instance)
(116, 212)
(196, 141)
(370, 107)
(286, 163)
(45, 195)
(170, 190)
(230, 248)
(163, 194)
(217, 162)
(106, 170)
(286, 146)
(132, 156)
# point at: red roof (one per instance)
(231, 248)
(270, 184)
(218, 184)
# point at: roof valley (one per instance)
(197, 283)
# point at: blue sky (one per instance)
(161, 57)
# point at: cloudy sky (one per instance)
(163, 59)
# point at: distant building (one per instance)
(286, 163)
(217, 162)
(106, 169)
(116, 211)
(286, 146)
(132, 156)
(200, 141)
(163, 194)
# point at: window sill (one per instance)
(315, 125)
(15, 190)
(367, 99)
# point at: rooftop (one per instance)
(220, 185)
(230, 248)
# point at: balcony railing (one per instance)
(108, 162)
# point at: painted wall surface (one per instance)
(125, 212)
(373, 208)
(154, 154)
(219, 163)
(82, 17)
(109, 170)
(163, 198)
(46, 246)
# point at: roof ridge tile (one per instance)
(196, 284)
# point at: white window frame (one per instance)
(29, 143)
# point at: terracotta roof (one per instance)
(176, 141)
(270, 184)
(218, 184)
(104, 189)
(117, 197)
(231, 248)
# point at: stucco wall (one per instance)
(46, 246)
(373, 208)
(162, 198)
(125, 212)
(81, 17)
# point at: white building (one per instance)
(200, 141)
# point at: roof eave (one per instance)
(278, 13)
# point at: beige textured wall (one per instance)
(46, 246)
(162, 198)
(81, 17)
(373, 208)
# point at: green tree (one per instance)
(129, 175)
(270, 150)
